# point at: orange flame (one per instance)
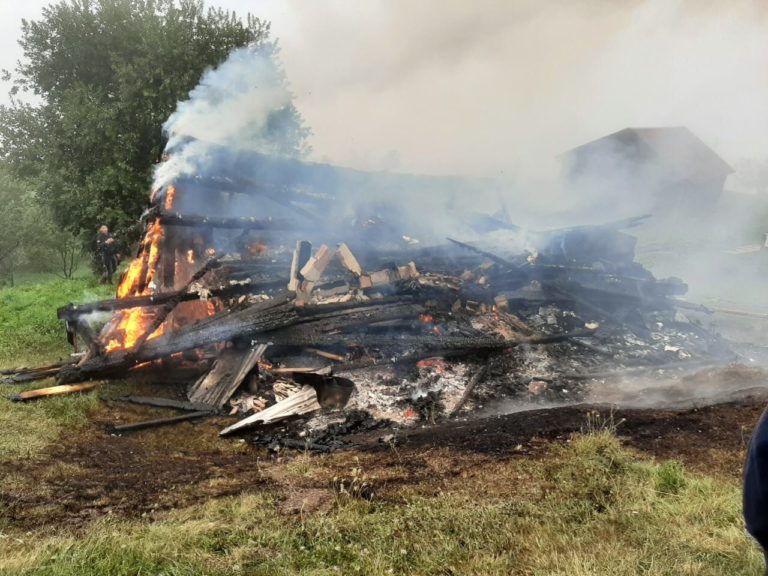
(129, 326)
(170, 194)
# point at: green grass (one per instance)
(600, 511)
(26, 429)
(30, 333)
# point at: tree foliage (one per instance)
(107, 74)
(29, 237)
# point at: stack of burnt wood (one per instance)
(414, 334)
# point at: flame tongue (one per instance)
(128, 326)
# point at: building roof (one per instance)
(679, 153)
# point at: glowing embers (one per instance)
(258, 248)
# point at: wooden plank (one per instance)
(53, 391)
(348, 260)
(143, 425)
(303, 402)
(265, 318)
(324, 354)
(474, 381)
(301, 255)
(228, 372)
(317, 264)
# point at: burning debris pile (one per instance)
(345, 335)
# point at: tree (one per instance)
(109, 73)
(29, 237)
(13, 199)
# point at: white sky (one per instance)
(501, 86)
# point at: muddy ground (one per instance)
(91, 472)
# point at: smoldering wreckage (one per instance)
(302, 341)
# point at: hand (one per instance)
(109, 241)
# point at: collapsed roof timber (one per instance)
(265, 326)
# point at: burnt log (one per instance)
(257, 320)
(143, 425)
(177, 219)
(71, 312)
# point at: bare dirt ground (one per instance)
(91, 473)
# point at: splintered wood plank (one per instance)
(301, 256)
(303, 402)
(53, 391)
(348, 260)
(229, 370)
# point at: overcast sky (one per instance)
(501, 86)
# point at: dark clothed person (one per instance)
(756, 486)
(105, 247)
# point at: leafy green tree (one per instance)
(13, 198)
(107, 74)
(29, 237)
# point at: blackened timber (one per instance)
(473, 382)
(492, 257)
(176, 219)
(160, 422)
(73, 311)
(426, 342)
(258, 320)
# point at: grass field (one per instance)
(30, 333)
(588, 506)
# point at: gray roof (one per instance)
(675, 149)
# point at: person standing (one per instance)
(756, 486)
(105, 247)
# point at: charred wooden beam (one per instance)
(23, 375)
(258, 320)
(177, 219)
(473, 382)
(71, 312)
(143, 425)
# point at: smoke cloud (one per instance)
(498, 88)
(231, 108)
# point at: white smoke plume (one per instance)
(231, 108)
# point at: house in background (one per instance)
(660, 170)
